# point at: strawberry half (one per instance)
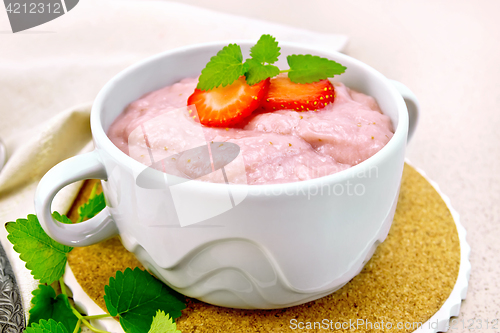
(285, 94)
(227, 106)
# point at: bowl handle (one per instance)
(411, 104)
(94, 230)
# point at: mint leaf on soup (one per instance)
(266, 50)
(264, 53)
(258, 72)
(44, 257)
(47, 306)
(227, 66)
(44, 326)
(223, 68)
(162, 323)
(308, 68)
(135, 296)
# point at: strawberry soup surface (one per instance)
(276, 147)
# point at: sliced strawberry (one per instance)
(284, 94)
(227, 106)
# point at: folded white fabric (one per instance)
(61, 137)
(68, 61)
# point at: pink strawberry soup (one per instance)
(276, 147)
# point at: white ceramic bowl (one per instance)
(281, 244)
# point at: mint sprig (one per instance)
(258, 72)
(94, 205)
(308, 68)
(223, 68)
(135, 296)
(266, 50)
(53, 313)
(264, 53)
(227, 66)
(46, 305)
(44, 326)
(61, 218)
(162, 323)
(44, 257)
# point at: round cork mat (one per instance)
(407, 280)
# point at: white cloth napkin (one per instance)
(66, 61)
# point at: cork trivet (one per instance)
(407, 280)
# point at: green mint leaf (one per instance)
(61, 218)
(46, 306)
(308, 68)
(246, 66)
(44, 257)
(135, 296)
(44, 326)
(222, 69)
(162, 323)
(266, 50)
(95, 204)
(258, 72)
